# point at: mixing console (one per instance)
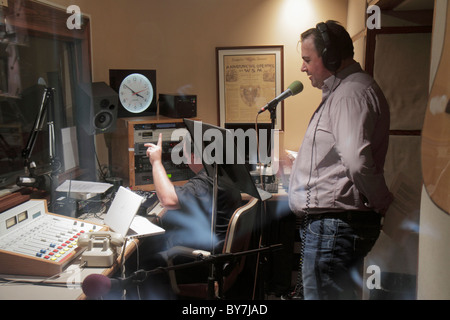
(35, 242)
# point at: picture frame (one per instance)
(247, 79)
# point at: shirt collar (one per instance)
(331, 83)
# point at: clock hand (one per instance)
(130, 89)
(137, 93)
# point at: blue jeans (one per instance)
(335, 248)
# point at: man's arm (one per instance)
(163, 186)
(357, 126)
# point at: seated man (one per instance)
(187, 222)
(188, 219)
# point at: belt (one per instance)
(368, 216)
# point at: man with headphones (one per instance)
(337, 184)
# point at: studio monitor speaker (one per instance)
(105, 105)
(97, 108)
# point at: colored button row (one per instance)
(62, 249)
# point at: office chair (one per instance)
(237, 240)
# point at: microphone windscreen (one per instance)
(96, 285)
(296, 87)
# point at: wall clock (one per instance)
(137, 92)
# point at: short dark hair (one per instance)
(339, 37)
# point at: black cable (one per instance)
(298, 289)
(103, 175)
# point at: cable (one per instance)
(298, 292)
(123, 268)
(122, 265)
(45, 282)
(103, 175)
(138, 292)
(258, 154)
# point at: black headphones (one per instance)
(331, 55)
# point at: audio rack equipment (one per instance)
(35, 242)
(178, 106)
(129, 158)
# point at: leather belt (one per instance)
(367, 216)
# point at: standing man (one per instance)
(337, 183)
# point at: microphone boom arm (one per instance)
(38, 124)
(33, 180)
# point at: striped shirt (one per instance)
(339, 166)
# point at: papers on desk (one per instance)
(291, 154)
(83, 189)
(141, 227)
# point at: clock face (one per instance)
(136, 93)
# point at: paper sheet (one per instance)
(83, 186)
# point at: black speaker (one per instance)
(97, 108)
(105, 103)
(331, 56)
(178, 106)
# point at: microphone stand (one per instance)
(218, 261)
(273, 113)
(38, 124)
(237, 175)
(33, 180)
(212, 270)
(272, 108)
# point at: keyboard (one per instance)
(150, 201)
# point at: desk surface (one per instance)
(64, 286)
(67, 285)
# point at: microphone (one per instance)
(97, 285)
(295, 88)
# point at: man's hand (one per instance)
(154, 151)
(163, 186)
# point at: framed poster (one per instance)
(248, 78)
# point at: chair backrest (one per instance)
(237, 239)
(240, 227)
(239, 234)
